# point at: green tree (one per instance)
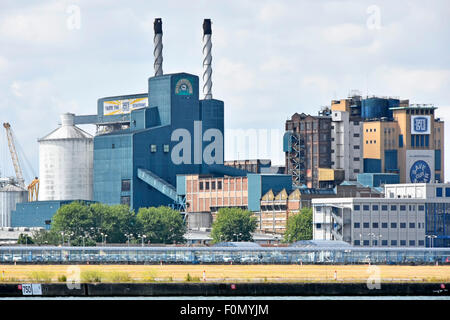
(161, 225)
(299, 226)
(233, 224)
(46, 237)
(25, 239)
(74, 220)
(113, 221)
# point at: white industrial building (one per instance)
(346, 144)
(410, 215)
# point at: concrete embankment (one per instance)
(228, 289)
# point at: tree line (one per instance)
(80, 224)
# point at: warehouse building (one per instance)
(410, 215)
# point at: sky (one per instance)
(270, 60)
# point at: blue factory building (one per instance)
(177, 133)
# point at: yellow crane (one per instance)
(33, 187)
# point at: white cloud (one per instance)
(344, 33)
(42, 24)
(271, 11)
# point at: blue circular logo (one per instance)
(420, 172)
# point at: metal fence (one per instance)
(224, 255)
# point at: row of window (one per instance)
(439, 192)
(154, 149)
(206, 184)
(412, 243)
(384, 225)
(420, 140)
(385, 207)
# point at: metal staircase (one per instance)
(162, 186)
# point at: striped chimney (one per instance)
(207, 70)
(157, 42)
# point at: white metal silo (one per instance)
(66, 163)
(10, 195)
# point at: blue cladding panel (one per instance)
(374, 180)
(437, 159)
(34, 214)
(111, 165)
(372, 165)
(287, 146)
(259, 184)
(400, 141)
(181, 185)
(390, 160)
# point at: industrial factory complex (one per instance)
(372, 168)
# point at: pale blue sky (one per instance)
(270, 58)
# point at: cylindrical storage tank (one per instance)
(66, 163)
(10, 195)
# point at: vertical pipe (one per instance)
(207, 70)
(157, 42)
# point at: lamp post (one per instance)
(128, 236)
(431, 237)
(143, 237)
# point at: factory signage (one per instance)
(183, 87)
(420, 124)
(123, 106)
(420, 166)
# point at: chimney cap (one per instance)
(207, 26)
(157, 25)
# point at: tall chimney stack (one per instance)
(207, 70)
(157, 42)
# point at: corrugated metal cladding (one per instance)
(372, 165)
(37, 214)
(378, 107)
(390, 160)
(174, 105)
(10, 196)
(66, 163)
(374, 180)
(437, 160)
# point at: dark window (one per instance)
(319, 225)
(356, 159)
(402, 225)
(113, 146)
(356, 207)
(366, 242)
(125, 200)
(438, 192)
(375, 225)
(403, 242)
(356, 243)
(393, 242)
(375, 242)
(126, 185)
(356, 123)
(421, 208)
(366, 225)
(384, 242)
(393, 225)
(384, 225)
(384, 207)
(356, 170)
(412, 225)
(412, 243)
(375, 207)
(219, 185)
(213, 185)
(421, 243)
(201, 185)
(447, 192)
(393, 208)
(366, 207)
(318, 209)
(207, 185)
(356, 135)
(356, 147)
(356, 225)
(402, 208)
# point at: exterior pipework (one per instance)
(207, 59)
(157, 42)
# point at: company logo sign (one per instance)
(420, 172)
(114, 107)
(420, 124)
(183, 87)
